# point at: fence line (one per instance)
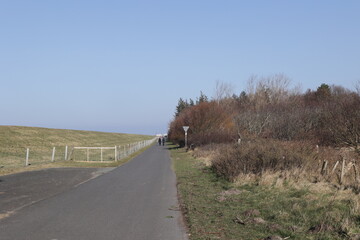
(14, 157)
(341, 173)
(94, 154)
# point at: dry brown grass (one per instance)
(207, 153)
(277, 163)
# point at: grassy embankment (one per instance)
(14, 140)
(217, 209)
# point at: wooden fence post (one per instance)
(342, 171)
(333, 170)
(356, 173)
(323, 168)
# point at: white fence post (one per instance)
(27, 157)
(115, 154)
(66, 152)
(53, 155)
(101, 153)
(119, 151)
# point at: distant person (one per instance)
(163, 141)
(159, 141)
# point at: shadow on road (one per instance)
(170, 146)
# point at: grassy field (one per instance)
(14, 141)
(217, 209)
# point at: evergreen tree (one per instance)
(323, 92)
(202, 98)
(243, 97)
(191, 103)
(181, 106)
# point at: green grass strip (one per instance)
(216, 209)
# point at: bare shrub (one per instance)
(340, 121)
(273, 162)
(259, 156)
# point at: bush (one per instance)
(261, 155)
(209, 123)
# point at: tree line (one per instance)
(270, 109)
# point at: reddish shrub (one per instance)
(209, 122)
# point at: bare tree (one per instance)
(271, 89)
(251, 122)
(357, 87)
(223, 91)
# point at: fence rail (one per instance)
(16, 157)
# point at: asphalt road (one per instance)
(22, 189)
(133, 202)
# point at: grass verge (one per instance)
(217, 209)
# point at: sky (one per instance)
(121, 66)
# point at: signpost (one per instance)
(186, 128)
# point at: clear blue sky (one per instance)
(121, 66)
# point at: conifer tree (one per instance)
(181, 106)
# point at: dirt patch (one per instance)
(5, 215)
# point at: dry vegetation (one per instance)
(295, 155)
(269, 128)
(266, 207)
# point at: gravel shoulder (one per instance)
(26, 188)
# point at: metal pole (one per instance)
(186, 128)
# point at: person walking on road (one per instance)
(159, 141)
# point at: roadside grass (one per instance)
(217, 209)
(15, 139)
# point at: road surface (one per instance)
(133, 202)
